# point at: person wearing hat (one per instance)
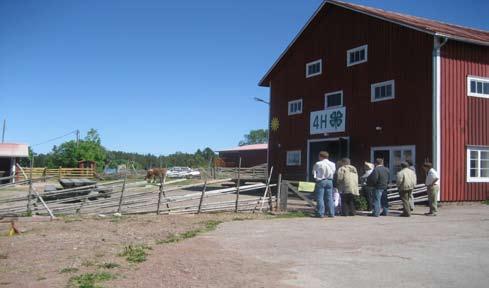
(406, 180)
(367, 190)
(323, 173)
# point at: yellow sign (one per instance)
(275, 124)
(307, 186)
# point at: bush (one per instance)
(361, 203)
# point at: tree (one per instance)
(255, 137)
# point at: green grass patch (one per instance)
(135, 253)
(486, 202)
(69, 270)
(90, 280)
(109, 265)
(293, 214)
(209, 225)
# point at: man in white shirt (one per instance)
(323, 173)
(433, 188)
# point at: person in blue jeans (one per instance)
(378, 180)
(323, 173)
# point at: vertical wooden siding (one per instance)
(465, 120)
(394, 52)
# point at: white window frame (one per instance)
(320, 61)
(296, 112)
(353, 50)
(333, 93)
(480, 79)
(479, 179)
(289, 158)
(380, 84)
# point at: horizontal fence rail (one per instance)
(58, 172)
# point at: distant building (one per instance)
(251, 155)
(364, 83)
(10, 154)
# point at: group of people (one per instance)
(338, 184)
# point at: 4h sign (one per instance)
(328, 121)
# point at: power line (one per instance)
(56, 138)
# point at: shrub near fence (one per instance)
(59, 172)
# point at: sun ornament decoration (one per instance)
(275, 124)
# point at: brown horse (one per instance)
(154, 173)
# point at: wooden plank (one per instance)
(237, 186)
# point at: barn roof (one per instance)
(13, 150)
(246, 148)
(433, 27)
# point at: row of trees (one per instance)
(90, 148)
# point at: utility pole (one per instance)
(77, 137)
(3, 130)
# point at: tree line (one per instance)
(90, 148)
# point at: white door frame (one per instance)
(390, 148)
(309, 141)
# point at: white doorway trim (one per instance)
(309, 141)
(391, 158)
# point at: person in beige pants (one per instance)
(433, 188)
(406, 180)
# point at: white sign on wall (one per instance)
(328, 121)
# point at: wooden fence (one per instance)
(57, 172)
(257, 173)
(286, 188)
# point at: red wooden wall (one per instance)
(394, 52)
(464, 119)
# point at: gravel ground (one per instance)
(445, 251)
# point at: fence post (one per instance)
(30, 187)
(122, 192)
(162, 192)
(284, 194)
(237, 186)
(59, 172)
(202, 196)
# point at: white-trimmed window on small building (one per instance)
(333, 99)
(357, 55)
(295, 107)
(314, 68)
(478, 164)
(383, 91)
(478, 86)
(294, 158)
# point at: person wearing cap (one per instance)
(411, 197)
(378, 180)
(406, 180)
(323, 173)
(367, 190)
(433, 188)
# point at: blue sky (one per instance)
(156, 76)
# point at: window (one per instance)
(333, 99)
(357, 55)
(478, 87)
(294, 158)
(314, 68)
(295, 107)
(382, 91)
(478, 164)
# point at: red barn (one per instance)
(251, 155)
(363, 82)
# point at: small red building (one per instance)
(366, 83)
(10, 154)
(251, 155)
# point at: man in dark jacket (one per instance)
(378, 180)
